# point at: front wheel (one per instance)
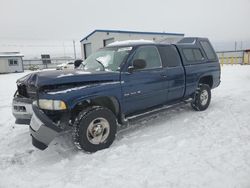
(202, 98)
(94, 129)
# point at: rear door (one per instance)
(144, 88)
(174, 71)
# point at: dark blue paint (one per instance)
(133, 91)
(143, 89)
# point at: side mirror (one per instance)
(137, 64)
(77, 63)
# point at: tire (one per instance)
(202, 98)
(94, 129)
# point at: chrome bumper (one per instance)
(42, 129)
(22, 109)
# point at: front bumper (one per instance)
(42, 129)
(22, 109)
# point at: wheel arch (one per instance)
(110, 102)
(206, 79)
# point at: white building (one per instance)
(101, 38)
(11, 62)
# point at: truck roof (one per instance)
(131, 43)
(190, 41)
(187, 41)
(136, 43)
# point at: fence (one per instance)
(31, 63)
(241, 57)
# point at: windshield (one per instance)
(107, 59)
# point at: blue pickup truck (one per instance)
(114, 85)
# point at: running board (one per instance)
(156, 110)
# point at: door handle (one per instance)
(164, 75)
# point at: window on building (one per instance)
(193, 55)
(208, 50)
(13, 62)
(108, 41)
(150, 54)
(87, 49)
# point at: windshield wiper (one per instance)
(103, 67)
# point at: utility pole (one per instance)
(235, 46)
(74, 45)
(64, 50)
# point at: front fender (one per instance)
(74, 95)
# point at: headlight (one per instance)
(52, 104)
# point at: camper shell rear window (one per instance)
(193, 55)
(208, 50)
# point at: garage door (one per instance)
(87, 50)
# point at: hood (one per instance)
(46, 78)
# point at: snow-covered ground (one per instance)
(177, 148)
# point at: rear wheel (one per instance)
(94, 129)
(202, 98)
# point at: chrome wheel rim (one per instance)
(204, 97)
(98, 131)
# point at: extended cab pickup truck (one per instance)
(114, 85)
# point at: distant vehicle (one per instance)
(34, 67)
(117, 84)
(69, 65)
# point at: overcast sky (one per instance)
(57, 22)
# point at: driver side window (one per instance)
(150, 55)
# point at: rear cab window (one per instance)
(169, 56)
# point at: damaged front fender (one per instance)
(42, 129)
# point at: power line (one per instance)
(32, 45)
(34, 38)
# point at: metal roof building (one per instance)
(101, 38)
(11, 62)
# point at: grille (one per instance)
(22, 90)
(28, 92)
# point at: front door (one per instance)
(144, 88)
